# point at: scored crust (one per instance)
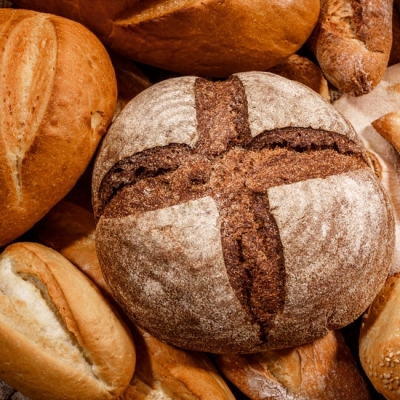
(50, 123)
(201, 214)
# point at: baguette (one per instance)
(352, 42)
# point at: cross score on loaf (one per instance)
(239, 216)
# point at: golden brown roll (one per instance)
(303, 70)
(322, 370)
(57, 96)
(60, 338)
(208, 38)
(379, 346)
(352, 42)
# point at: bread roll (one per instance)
(362, 112)
(238, 216)
(59, 337)
(322, 370)
(379, 340)
(209, 38)
(166, 372)
(352, 42)
(58, 95)
(303, 70)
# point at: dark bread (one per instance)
(231, 215)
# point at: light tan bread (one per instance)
(195, 36)
(352, 42)
(322, 370)
(379, 345)
(60, 338)
(236, 211)
(58, 95)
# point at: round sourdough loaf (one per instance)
(201, 37)
(239, 215)
(59, 337)
(57, 97)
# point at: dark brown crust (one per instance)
(236, 170)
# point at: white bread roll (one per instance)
(60, 338)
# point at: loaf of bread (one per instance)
(322, 370)
(379, 347)
(352, 42)
(363, 112)
(208, 38)
(57, 97)
(60, 338)
(239, 215)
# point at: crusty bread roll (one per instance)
(322, 370)
(166, 372)
(303, 70)
(209, 38)
(57, 97)
(352, 42)
(239, 215)
(60, 338)
(362, 112)
(379, 340)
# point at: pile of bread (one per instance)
(200, 199)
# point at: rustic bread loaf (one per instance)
(379, 340)
(362, 112)
(239, 216)
(352, 42)
(58, 95)
(209, 38)
(60, 338)
(322, 370)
